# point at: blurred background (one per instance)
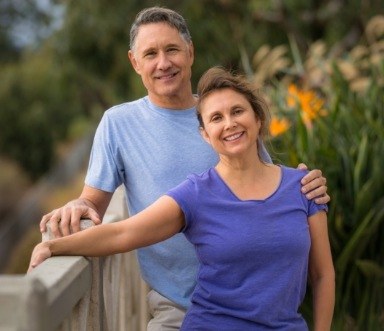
(319, 64)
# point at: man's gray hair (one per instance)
(159, 15)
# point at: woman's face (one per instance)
(230, 124)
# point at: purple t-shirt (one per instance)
(253, 254)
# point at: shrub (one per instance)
(328, 112)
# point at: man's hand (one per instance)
(314, 185)
(66, 220)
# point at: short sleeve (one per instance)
(314, 208)
(103, 172)
(311, 205)
(185, 196)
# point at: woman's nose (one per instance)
(230, 122)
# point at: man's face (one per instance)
(163, 59)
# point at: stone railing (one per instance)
(76, 293)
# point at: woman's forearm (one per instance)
(101, 240)
(323, 302)
(156, 223)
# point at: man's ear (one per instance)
(191, 52)
(205, 135)
(133, 61)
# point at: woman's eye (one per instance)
(216, 118)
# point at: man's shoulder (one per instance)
(126, 108)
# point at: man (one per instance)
(151, 145)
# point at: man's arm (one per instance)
(91, 204)
(314, 185)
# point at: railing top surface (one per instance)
(46, 296)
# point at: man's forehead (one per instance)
(157, 29)
(155, 34)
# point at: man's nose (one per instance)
(164, 62)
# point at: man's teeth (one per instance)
(167, 76)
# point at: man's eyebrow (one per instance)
(173, 45)
(149, 49)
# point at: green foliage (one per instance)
(82, 68)
(53, 92)
(347, 143)
(37, 111)
(18, 21)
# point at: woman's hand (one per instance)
(39, 254)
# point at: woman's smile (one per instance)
(234, 136)
(230, 123)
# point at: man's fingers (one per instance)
(313, 180)
(312, 175)
(324, 199)
(44, 220)
(75, 225)
(64, 226)
(319, 192)
(94, 216)
(66, 220)
(54, 226)
(302, 166)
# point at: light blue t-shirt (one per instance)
(151, 150)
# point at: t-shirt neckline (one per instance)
(222, 181)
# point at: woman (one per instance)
(256, 235)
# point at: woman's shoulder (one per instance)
(202, 177)
(293, 171)
(292, 175)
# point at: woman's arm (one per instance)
(321, 272)
(158, 222)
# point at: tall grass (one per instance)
(331, 116)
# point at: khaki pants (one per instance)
(166, 315)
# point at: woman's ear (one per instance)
(205, 136)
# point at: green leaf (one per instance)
(360, 166)
(370, 268)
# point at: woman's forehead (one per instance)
(222, 98)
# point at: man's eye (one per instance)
(216, 118)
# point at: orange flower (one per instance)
(293, 97)
(311, 105)
(278, 126)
